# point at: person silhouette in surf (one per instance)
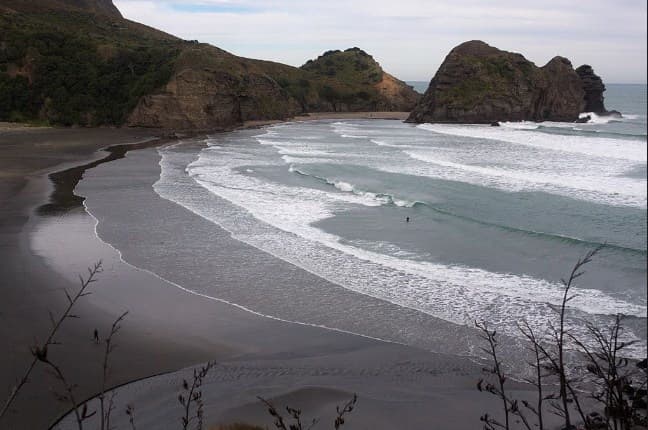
(407, 219)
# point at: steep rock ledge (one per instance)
(478, 83)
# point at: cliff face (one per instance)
(212, 89)
(594, 89)
(478, 83)
(215, 89)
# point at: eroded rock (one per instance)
(478, 83)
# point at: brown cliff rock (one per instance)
(478, 83)
(397, 94)
(212, 89)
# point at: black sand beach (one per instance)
(168, 329)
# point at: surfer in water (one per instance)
(407, 219)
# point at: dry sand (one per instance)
(168, 329)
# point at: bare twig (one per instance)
(499, 390)
(538, 365)
(346, 409)
(545, 359)
(613, 376)
(106, 410)
(193, 395)
(567, 392)
(80, 415)
(130, 411)
(56, 325)
(281, 423)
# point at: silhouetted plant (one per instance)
(238, 426)
(192, 395)
(40, 352)
(557, 363)
(282, 423)
(540, 367)
(346, 409)
(619, 392)
(613, 377)
(130, 412)
(81, 413)
(106, 410)
(509, 405)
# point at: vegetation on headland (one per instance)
(67, 65)
(478, 83)
(73, 68)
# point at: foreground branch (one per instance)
(56, 325)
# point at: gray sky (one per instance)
(410, 38)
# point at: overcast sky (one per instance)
(410, 38)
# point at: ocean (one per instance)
(453, 222)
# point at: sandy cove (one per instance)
(169, 329)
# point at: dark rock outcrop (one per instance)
(99, 7)
(594, 88)
(478, 83)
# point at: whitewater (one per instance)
(498, 214)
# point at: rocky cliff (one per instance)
(478, 83)
(212, 89)
(594, 89)
(78, 62)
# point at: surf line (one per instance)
(235, 305)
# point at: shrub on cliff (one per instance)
(54, 71)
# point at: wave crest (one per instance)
(382, 198)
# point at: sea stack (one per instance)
(478, 83)
(594, 88)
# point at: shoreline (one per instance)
(137, 337)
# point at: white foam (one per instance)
(599, 119)
(591, 146)
(523, 125)
(383, 199)
(582, 184)
(353, 136)
(278, 220)
(392, 145)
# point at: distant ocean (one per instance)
(420, 86)
(497, 215)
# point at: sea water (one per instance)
(459, 222)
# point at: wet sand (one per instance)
(169, 329)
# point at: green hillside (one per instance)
(77, 68)
(78, 62)
(353, 66)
